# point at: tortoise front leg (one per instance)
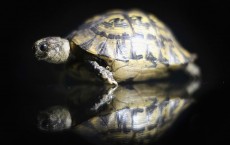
(104, 73)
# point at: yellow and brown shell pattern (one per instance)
(125, 35)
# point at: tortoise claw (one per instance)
(106, 99)
(104, 73)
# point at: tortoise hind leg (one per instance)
(104, 73)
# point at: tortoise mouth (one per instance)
(41, 56)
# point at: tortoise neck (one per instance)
(76, 51)
(73, 47)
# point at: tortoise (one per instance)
(139, 113)
(120, 46)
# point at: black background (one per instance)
(200, 26)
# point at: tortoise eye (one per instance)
(43, 47)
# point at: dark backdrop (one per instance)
(200, 26)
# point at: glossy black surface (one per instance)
(140, 113)
(27, 84)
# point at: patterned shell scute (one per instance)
(124, 35)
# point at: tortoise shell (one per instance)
(125, 35)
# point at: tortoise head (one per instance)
(52, 49)
(55, 118)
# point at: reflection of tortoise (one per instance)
(138, 113)
(120, 45)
